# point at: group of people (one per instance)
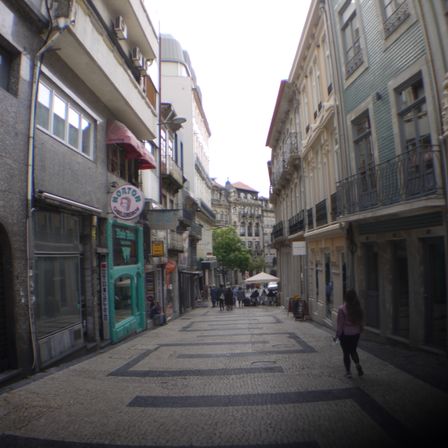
(226, 297)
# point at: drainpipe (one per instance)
(52, 35)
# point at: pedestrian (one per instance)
(228, 298)
(349, 327)
(240, 295)
(220, 295)
(214, 295)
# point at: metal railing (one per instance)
(321, 213)
(297, 223)
(277, 231)
(408, 176)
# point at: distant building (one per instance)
(239, 205)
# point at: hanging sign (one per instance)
(127, 202)
(157, 249)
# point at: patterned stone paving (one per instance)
(246, 378)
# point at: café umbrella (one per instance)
(261, 277)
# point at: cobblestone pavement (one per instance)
(249, 377)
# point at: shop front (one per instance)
(125, 279)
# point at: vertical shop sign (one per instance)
(104, 292)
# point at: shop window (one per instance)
(123, 298)
(65, 120)
(57, 272)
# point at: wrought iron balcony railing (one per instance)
(297, 223)
(277, 231)
(396, 18)
(321, 213)
(408, 176)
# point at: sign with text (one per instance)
(157, 249)
(298, 248)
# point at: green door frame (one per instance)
(136, 322)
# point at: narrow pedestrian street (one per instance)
(249, 377)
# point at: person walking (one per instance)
(349, 327)
(228, 298)
(240, 295)
(214, 295)
(220, 295)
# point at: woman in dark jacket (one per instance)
(228, 298)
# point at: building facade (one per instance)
(376, 159)
(80, 82)
(239, 205)
(305, 154)
(180, 88)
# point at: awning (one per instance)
(119, 134)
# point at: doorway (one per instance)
(400, 289)
(7, 342)
(434, 291)
(372, 308)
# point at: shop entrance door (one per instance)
(400, 290)
(435, 291)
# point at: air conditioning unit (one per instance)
(137, 57)
(120, 28)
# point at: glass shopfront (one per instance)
(126, 279)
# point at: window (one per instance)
(413, 114)
(243, 229)
(118, 165)
(395, 12)
(328, 76)
(64, 120)
(6, 60)
(350, 31)
(57, 275)
(365, 162)
(418, 169)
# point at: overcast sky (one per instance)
(240, 50)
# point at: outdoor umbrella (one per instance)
(262, 277)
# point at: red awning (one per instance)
(119, 134)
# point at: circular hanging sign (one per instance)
(127, 202)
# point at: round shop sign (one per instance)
(127, 202)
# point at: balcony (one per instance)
(321, 213)
(297, 223)
(172, 177)
(175, 243)
(103, 62)
(277, 231)
(195, 231)
(409, 176)
(309, 218)
(186, 217)
(396, 18)
(287, 162)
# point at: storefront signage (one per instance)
(157, 249)
(124, 245)
(127, 202)
(104, 293)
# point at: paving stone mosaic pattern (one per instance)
(251, 377)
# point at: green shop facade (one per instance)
(122, 272)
